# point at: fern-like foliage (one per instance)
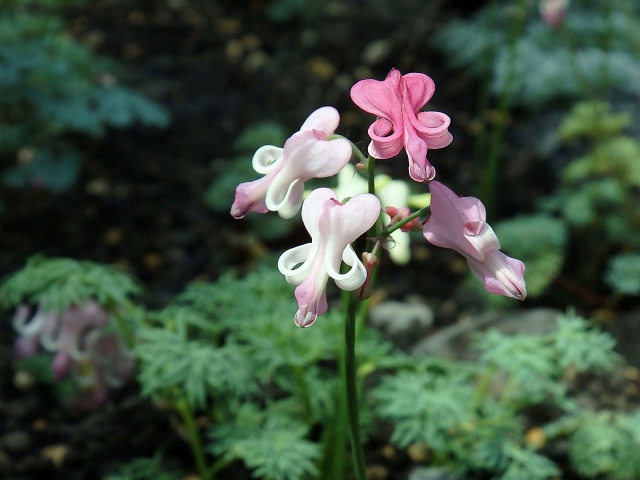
(535, 363)
(425, 407)
(525, 464)
(58, 283)
(54, 85)
(623, 274)
(528, 361)
(153, 468)
(606, 445)
(197, 369)
(578, 344)
(593, 120)
(270, 442)
(535, 64)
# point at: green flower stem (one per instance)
(371, 181)
(392, 228)
(351, 388)
(491, 166)
(182, 406)
(335, 436)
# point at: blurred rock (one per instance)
(453, 341)
(402, 322)
(433, 473)
(16, 441)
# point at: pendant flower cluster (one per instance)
(81, 342)
(336, 219)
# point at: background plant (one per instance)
(56, 90)
(591, 214)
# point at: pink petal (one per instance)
(250, 197)
(341, 225)
(417, 89)
(447, 226)
(312, 300)
(385, 141)
(433, 128)
(62, 364)
(500, 274)
(381, 98)
(420, 170)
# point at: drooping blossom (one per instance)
(80, 341)
(307, 154)
(553, 11)
(333, 226)
(397, 101)
(460, 223)
(392, 194)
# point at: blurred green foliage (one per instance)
(592, 216)
(594, 50)
(228, 352)
(59, 283)
(54, 88)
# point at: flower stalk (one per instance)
(351, 388)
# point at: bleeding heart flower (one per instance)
(333, 226)
(459, 223)
(81, 342)
(397, 102)
(306, 154)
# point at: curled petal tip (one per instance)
(305, 319)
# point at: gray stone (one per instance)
(402, 322)
(433, 473)
(453, 341)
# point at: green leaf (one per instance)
(58, 283)
(623, 274)
(578, 344)
(270, 443)
(169, 362)
(425, 407)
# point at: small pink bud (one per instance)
(399, 214)
(370, 262)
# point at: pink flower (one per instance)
(333, 226)
(553, 11)
(306, 154)
(81, 342)
(397, 102)
(459, 223)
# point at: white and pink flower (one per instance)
(308, 153)
(333, 226)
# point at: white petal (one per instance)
(285, 197)
(303, 254)
(266, 159)
(324, 119)
(356, 275)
